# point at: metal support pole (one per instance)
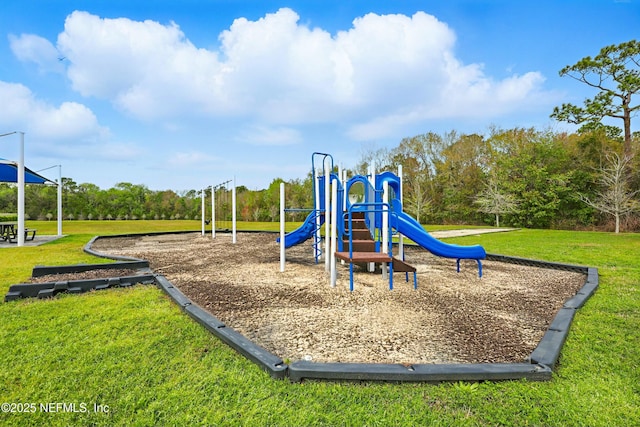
(371, 198)
(213, 212)
(343, 177)
(317, 242)
(334, 232)
(21, 226)
(59, 200)
(385, 225)
(202, 208)
(282, 220)
(233, 213)
(327, 213)
(399, 196)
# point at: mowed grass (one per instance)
(135, 357)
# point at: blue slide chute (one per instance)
(302, 233)
(414, 231)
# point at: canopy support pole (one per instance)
(21, 226)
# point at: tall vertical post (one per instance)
(213, 212)
(282, 220)
(385, 224)
(203, 211)
(345, 198)
(372, 181)
(372, 194)
(21, 226)
(59, 200)
(327, 213)
(233, 212)
(316, 235)
(340, 171)
(399, 196)
(344, 186)
(334, 232)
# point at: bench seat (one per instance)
(29, 234)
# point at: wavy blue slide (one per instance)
(302, 233)
(414, 231)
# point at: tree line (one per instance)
(127, 201)
(515, 177)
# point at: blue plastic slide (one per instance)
(414, 231)
(302, 233)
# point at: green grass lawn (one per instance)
(134, 352)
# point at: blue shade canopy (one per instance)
(9, 173)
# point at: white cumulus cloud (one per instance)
(147, 69)
(33, 48)
(382, 73)
(69, 121)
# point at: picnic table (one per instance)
(9, 231)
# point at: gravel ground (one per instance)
(451, 318)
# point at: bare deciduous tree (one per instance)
(494, 201)
(417, 201)
(379, 158)
(615, 198)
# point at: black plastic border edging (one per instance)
(433, 373)
(548, 350)
(51, 289)
(42, 270)
(541, 361)
(271, 363)
(87, 248)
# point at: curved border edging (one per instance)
(547, 352)
(542, 360)
(87, 248)
(271, 363)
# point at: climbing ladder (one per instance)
(359, 247)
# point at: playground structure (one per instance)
(361, 217)
(223, 212)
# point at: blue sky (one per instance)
(184, 94)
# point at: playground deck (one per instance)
(399, 266)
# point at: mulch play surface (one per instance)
(451, 318)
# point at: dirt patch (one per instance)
(451, 318)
